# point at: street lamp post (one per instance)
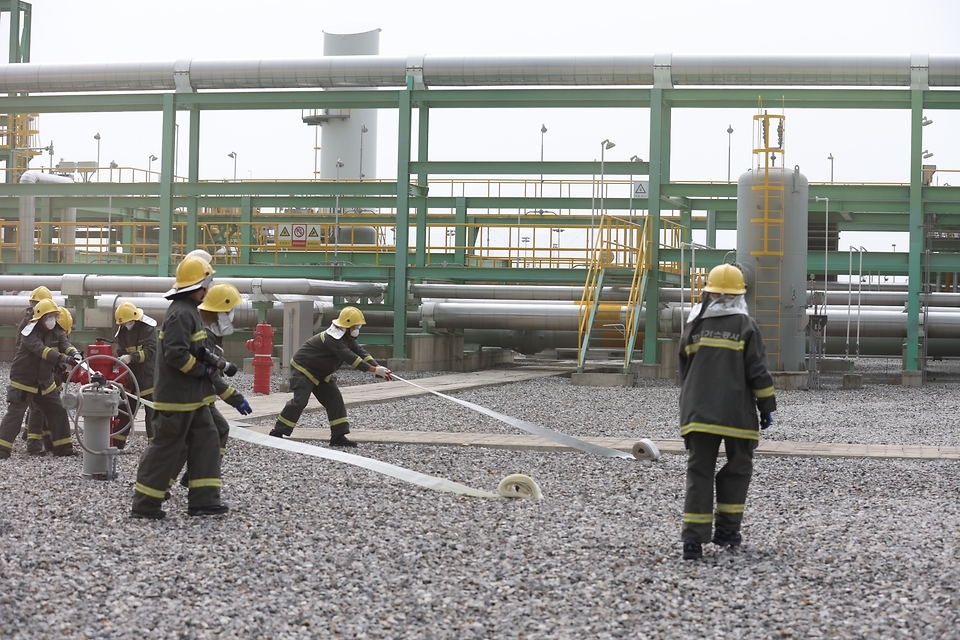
(543, 130)
(606, 144)
(729, 139)
(363, 130)
(97, 138)
(336, 216)
(233, 154)
(830, 158)
(150, 161)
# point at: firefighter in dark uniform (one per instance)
(38, 294)
(137, 348)
(37, 430)
(182, 395)
(216, 312)
(725, 382)
(312, 369)
(43, 346)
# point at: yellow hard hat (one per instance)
(192, 273)
(349, 317)
(65, 320)
(221, 298)
(44, 307)
(725, 278)
(40, 293)
(126, 312)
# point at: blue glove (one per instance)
(766, 419)
(244, 408)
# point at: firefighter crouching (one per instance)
(37, 429)
(723, 366)
(43, 346)
(182, 393)
(312, 369)
(137, 348)
(216, 312)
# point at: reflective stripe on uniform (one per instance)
(368, 359)
(310, 376)
(189, 406)
(53, 387)
(190, 362)
(23, 387)
(146, 392)
(729, 508)
(339, 421)
(229, 391)
(6, 445)
(34, 436)
(46, 350)
(356, 362)
(204, 482)
(766, 392)
(719, 430)
(152, 493)
(199, 335)
(286, 422)
(62, 441)
(698, 518)
(721, 343)
(120, 437)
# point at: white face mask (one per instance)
(129, 325)
(50, 323)
(224, 325)
(355, 331)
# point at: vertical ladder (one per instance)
(766, 228)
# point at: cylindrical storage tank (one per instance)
(776, 284)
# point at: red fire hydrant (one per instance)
(262, 347)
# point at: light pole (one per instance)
(830, 158)
(336, 216)
(97, 138)
(634, 158)
(826, 247)
(729, 140)
(525, 240)
(543, 130)
(113, 165)
(150, 166)
(363, 130)
(233, 154)
(606, 144)
(556, 245)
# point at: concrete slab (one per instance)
(789, 380)
(852, 381)
(593, 379)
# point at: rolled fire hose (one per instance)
(513, 486)
(643, 450)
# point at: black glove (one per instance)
(766, 419)
(211, 359)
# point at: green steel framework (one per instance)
(866, 207)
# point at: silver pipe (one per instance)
(462, 71)
(513, 292)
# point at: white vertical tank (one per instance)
(342, 136)
(779, 307)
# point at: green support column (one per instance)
(166, 185)
(916, 219)
(657, 120)
(399, 284)
(193, 175)
(460, 235)
(422, 156)
(45, 217)
(127, 231)
(711, 239)
(246, 228)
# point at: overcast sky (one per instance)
(866, 145)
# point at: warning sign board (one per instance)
(283, 235)
(298, 234)
(313, 235)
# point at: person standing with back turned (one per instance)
(725, 381)
(183, 393)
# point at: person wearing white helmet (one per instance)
(312, 369)
(137, 348)
(182, 395)
(725, 383)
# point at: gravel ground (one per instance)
(844, 548)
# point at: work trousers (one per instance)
(38, 432)
(732, 482)
(48, 407)
(160, 463)
(120, 441)
(223, 433)
(326, 394)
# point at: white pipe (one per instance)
(28, 213)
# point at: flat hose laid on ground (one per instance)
(642, 450)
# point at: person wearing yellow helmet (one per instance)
(725, 383)
(37, 430)
(136, 341)
(216, 311)
(312, 368)
(38, 294)
(43, 347)
(182, 395)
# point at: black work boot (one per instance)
(35, 448)
(276, 434)
(341, 441)
(185, 480)
(214, 510)
(159, 514)
(692, 550)
(725, 538)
